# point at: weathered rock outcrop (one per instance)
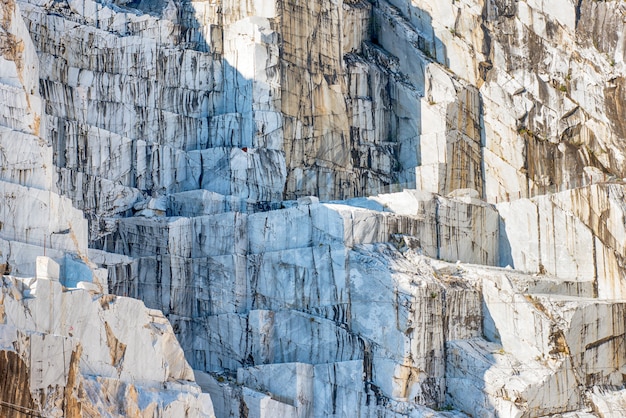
(67, 348)
(74, 353)
(284, 286)
(548, 77)
(468, 251)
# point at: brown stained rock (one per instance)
(615, 103)
(131, 398)
(15, 397)
(595, 217)
(117, 349)
(5, 268)
(556, 166)
(599, 24)
(464, 168)
(9, 7)
(2, 309)
(316, 122)
(12, 48)
(106, 301)
(72, 406)
(559, 343)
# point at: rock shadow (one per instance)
(404, 44)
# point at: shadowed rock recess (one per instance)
(329, 208)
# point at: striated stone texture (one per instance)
(32, 215)
(289, 286)
(219, 94)
(333, 99)
(67, 348)
(548, 77)
(286, 294)
(576, 235)
(257, 101)
(198, 138)
(268, 101)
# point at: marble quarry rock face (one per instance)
(331, 208)
(74, 352)
(67, 347)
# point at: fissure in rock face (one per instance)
(343, 208)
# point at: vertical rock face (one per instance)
(67, 348)
(268, 101)
(15, 391)
(467, 253)
(32, 213)
(21, 106)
